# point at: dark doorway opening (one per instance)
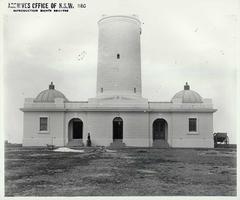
(159, 129)
(76, 126)
(77, 130)
(117, 128)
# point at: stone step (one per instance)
(117, 144)
(160, 144)
(75, 143)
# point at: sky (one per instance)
(187, 40)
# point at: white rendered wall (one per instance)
(135, 128)
(99, 126)
(119, 35)
(33, 137)
(183, 138)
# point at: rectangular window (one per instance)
(43, 124)
(118, 56)
(135, 90)
(192, 124)
(101, 90)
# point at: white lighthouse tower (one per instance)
(119, 57)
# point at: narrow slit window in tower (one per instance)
(135, 90)
(101, 90)
(118, 56)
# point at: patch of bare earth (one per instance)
(40, 172)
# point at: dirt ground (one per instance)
(132, 171)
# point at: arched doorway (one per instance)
(117, 129)
(75, 132)
(160, 133)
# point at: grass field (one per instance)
(134, 171)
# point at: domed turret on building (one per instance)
(187, 96)
(49, 95)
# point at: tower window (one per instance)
(135, 90)
(101, 90)
(118, 56)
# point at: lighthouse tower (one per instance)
(119, 57)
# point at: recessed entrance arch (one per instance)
(117, 129)
(160, 133)
(75, 129)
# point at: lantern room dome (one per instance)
(187, 96)
(49, 95)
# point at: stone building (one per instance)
(118, 115)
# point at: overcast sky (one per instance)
(187, 40)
